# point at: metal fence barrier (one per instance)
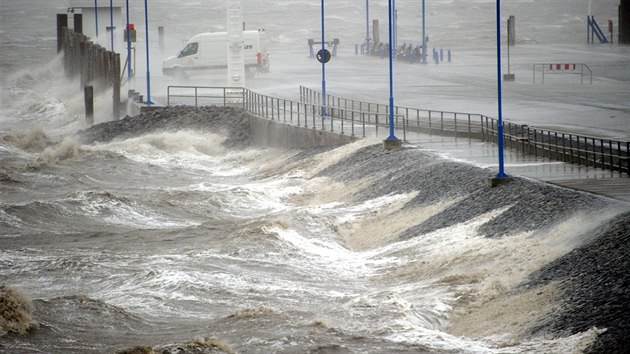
(602, 153)
(358, 118)
(302, 114)
(562, 69)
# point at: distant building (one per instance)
(98, 11)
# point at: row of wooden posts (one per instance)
(97, 69)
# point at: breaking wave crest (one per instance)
(16, 312)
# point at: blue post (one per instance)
(391, 79)
(367, 23)
(128, 46)
(424, 37)
(111, 22)
(395, 24)
(324, 113)
(96, 16)
(146, 29)
(501, 173)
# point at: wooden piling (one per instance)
(88, 94)
(116, 86)
(62, 21)
(78, 23)
(96, 67)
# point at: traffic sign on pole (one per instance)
(323, 54)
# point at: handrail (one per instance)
(308, 115)
(590, 151)
(567, 147)
(237, 94)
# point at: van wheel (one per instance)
(179, 73)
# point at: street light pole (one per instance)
(424, 37)
(128, 46)
(501, 177)
(146, 29)
(324, 113)
(111, 23)
(367, 23)
(96, 17)
(392, 142)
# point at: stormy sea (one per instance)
(171, 229)
(172, 232)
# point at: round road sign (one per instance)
(325, 57)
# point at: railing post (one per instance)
(352, 124)
(594, 153)
(610, 154)
(363, 119)
(469, 127)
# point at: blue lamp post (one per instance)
(324, 113)
(128, 46)
(501, 176)
(111, 23)
(392, 142)
(367, 23)
(424, 36)
(96, 16)
(146, 29)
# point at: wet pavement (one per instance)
(485, 154)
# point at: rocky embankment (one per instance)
(230, 122)
(594, 290)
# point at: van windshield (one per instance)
(190, 49)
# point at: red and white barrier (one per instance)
(562, 67)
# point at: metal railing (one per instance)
(602, 153)
(309, 115)
(302, 114)
(206, 95)
(358, 118)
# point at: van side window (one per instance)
(190, 49)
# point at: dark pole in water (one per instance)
(88, 93)
(501, 177)
(62, 21)
(146, 29)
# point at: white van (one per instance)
(208, 51)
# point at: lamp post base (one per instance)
(392, 144)
(509, 77)
(497, 181)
